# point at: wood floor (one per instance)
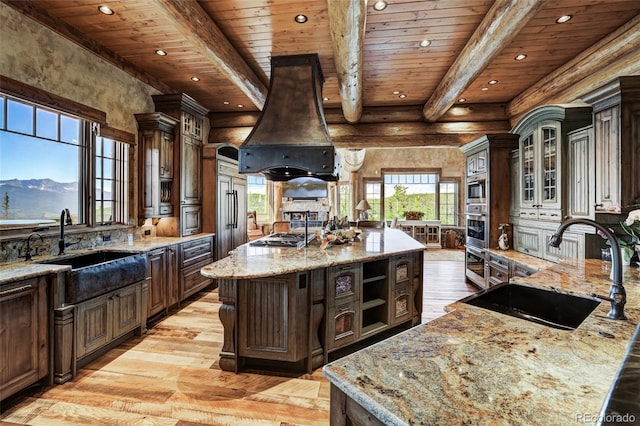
(170, 376)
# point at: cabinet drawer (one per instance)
(343, 323)
(520, 270)
(497, 274)
(196, 251)
(192, 281)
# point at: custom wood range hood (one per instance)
(291, 138)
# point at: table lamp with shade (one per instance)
(363, 206)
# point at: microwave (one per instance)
(477, 189)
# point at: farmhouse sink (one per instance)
(550, 308)
(96, 273)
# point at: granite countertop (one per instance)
(474, 366)
(248, 261)
(20, 269)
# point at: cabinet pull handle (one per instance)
(15, 290)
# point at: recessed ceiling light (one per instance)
(325, 99)
(380, 5)
(106, 10)
(520, 57)
(402, 96)
(161, 52)
(301, 19)
(462, 100)
(226, 102)
(425, 43)
(563, 19)
(195, 79)
(396, 92)
(240, 106)
(492, 82)
(484, 89)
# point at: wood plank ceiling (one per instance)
(374, 67)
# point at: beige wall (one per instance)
(39, 57)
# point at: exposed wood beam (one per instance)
(379, 135)
(404, 114)
(347, 20)
(196, 26)
(65, 30)
(500, 26)
(615, 55)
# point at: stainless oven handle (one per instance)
(476, 214)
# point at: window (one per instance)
(258, 193)
(46, 166)
(448, 203)
(399, 193)
(372, 193)
(411, 192)
(344, 195)
(112, 175)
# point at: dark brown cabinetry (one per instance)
(103, 319)
(273, 320)
(156, 132)
(191, 132)
(162, 265)
(24, 338)
(344, 312)
(193, 256)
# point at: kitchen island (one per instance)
(288, 308)
(475, 366)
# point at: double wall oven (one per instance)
(476, 230)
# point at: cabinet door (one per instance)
(273, 318)
(550, 192)
(93, 324)
(166, 154)
(192, 281)
(344, 282)
(528, 175)
(571, 249)
(157, 300)
(580, 174)
(343, 323)
(515, 182)
(607, 137)
(171, 275)
(190, 220)
(191, 171)
(127, 310)
(24, 323)
(527, 240)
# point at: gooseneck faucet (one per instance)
(27, 255)
(63, 222)
(617, 293)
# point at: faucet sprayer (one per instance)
(617, 293)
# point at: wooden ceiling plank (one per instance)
(198, 28)
(498, 28)
(616, 46)
(347, 23)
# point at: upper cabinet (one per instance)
(543, 135)
(552, 163)
(156, 164)
(616, 123)
(191, 135)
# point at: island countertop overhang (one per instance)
(248, 261)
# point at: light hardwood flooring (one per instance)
(170, 376)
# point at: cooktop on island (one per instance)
(283, 239)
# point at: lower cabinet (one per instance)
(273, 318)
(103, 319)
(193, 256)
(497, 270)
(174, 273)
(24, 334)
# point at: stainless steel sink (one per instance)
(547, 307)
(96, 273)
